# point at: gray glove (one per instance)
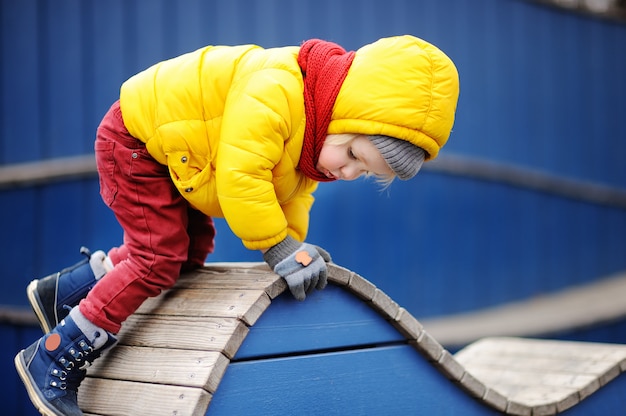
(302, 265)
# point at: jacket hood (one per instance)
(403, 87)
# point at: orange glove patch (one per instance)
(303, 258)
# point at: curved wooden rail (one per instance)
(174, 351)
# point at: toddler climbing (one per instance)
(242, 133)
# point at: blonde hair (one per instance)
(345, 138)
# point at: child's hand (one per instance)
(302, 265)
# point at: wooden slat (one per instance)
(429, 346)
(384, 304)
(203, 369)
(406, 323)
(195, 333)
(543, 375)
(339, 275)
(238, 278)
(361, 287)
(117, 397)
(246, 305)
(173, 352)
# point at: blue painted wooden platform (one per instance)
(333, 355)
(226, 341)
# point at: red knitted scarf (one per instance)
(324, 67)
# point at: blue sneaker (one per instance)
(53, 367)
(52, 297)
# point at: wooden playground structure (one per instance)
(223, 342)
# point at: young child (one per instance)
(246, 134)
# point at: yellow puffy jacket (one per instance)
(229, 122)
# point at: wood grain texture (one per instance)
(173, 352)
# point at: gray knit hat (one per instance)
(403, 157)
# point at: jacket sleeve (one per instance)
(297, 211)
(257, 122)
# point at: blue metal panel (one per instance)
(440, 244)
(328, 320)
(64, 62)
(18, 223)
(13, 394)
(388, 380)
(43, 229)
(19, 140)
(540, 87)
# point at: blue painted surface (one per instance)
(393, 380)
(15, 400)
(443, 244)
(544, 92)
(333, 354)
(43, 229)
(326, 320)
(291, 363)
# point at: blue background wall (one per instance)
(541, 89)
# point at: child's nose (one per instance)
(350, 173)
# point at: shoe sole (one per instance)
(35, 303)
(33, 392)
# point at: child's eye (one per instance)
(351, 153)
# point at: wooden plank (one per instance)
(542, 399)
(252, 266)
(162, 366)
(195, 333)
(361, 287)
(515, 377)
(544, 355)
(246, 305)
(541, 365)
(474, 386)
(339, 275)
(385, 305)
(116, 397)
(237, 278)
(495, 400)
(450, 366)
(578, 307)
(47, 171)
(544, 375)
(568, 402)
(518, 409)
(407, 324)
(609, 400)
(428, 346)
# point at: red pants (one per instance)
(162, 233)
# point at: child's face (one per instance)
(351, 160)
